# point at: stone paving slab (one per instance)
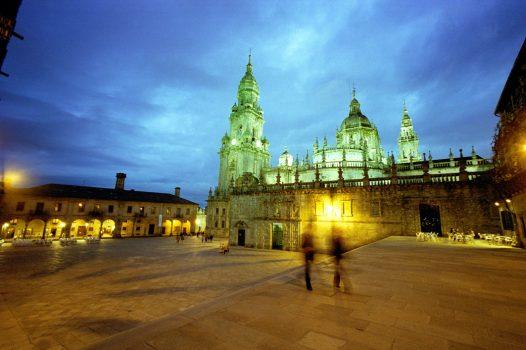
(404, 295)
(70, 297)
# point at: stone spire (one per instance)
(248, 90)
(407, 140)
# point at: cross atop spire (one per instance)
(249, 64)
(353, 90)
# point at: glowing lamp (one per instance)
(13, 177)
(508, 200)
(497, 204)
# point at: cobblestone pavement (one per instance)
(68, 297)
(404, 295)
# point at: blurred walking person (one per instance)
(337, 251)
(308, 251)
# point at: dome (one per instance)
(355, 118)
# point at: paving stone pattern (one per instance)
(404, 295)
(68, 297)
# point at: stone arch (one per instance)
(54, 228)
(17, 228)
(78, 228)
(6, 229)
(93, 228)
(176, 227)
(186, 227)
(241, 224)
(108, 227)
(35, 228)
(166, 229)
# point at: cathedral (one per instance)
(351, 186)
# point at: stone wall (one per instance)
(361, 214)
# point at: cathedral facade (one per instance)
(351, 186)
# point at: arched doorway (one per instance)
(186, 227)
(176, 227)
(93, 228)
(16, 228)
(78, 228)
(240, 229)
(35, 228)
(108, 226)
(166, 229)
(54, 228)
(5, 230)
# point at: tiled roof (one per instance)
(87, 192)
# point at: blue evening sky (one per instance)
(145, 87)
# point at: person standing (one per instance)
(308, 251)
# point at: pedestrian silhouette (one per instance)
(337, 250)
(308, 251)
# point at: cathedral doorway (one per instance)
(277, 236)
(430, 218)
(241, 237)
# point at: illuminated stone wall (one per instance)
(361, 214)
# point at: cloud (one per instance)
(146, 88)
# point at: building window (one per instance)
(375, 208)
(141, 210)
(223, 224)
(178, 212)
(224, 211)
(137, 228)
(130, 209)
(168, 211)
(152, 210)
(97, 206)
(81, 207)
(58, 207)
(217, 211)
(40, 207)
(507, 220)
(110, 209)
(187, 211)
(347, 208)
(20, 206)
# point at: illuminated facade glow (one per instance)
(351, 186)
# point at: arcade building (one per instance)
(54, 211)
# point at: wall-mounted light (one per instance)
(497, 204)
(508, 200)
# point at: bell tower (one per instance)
(244, 149)
(407, 140)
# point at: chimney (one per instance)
(119, 183)
(177, 192)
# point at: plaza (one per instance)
(157, 294)
(70, 296)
